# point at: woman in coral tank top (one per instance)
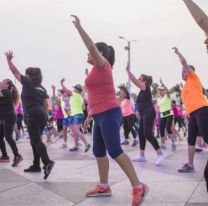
(106, 113)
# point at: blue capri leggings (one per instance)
(106, 133)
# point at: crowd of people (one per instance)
(95, 108)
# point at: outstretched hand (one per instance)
(62, 81)
(161, 82)
(76, 21)
(53, 87)
(175, 50)
(127, 67)
(9, 55)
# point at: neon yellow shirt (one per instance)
(76, 103)
(165, 106)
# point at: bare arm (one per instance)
(69, 92)
(182, 60)
(136, 81)
(45, 105)
(166, 89)
(96, 56)
(58, 102)
(198, 14)
(13, 68)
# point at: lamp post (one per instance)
(128, 48)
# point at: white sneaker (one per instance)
(160, 158)
(140, 159)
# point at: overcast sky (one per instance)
(40, 33)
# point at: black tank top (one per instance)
(144, 100)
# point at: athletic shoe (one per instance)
(173, 147)
(163, 146)
(47, 169)
(33, 168)
(125, 142)
(99, 191)
(17, 160)
(74, 149)
(139, 194)
(159, 160)
(199, 150)
(87, 148)
(186, 168)
(17, 137)
(4, 159)
(139, 159)
(64, 145)
(135, 143)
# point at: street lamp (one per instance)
(128, 48)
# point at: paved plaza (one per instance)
(75, 173)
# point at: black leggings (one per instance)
(19, 121)
(7, 126)
(198, 123)
(36, 119)
(146, 126)
(166, 123)
(59, 123)
(128, 125)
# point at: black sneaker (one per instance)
(87, 148)
(199, 150)
(17, 160)
(135, 143)
(125, 142)
(74, 149)
(47, 169)
(186, 168)
(33, 168)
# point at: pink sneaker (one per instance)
(139, 194)
(99, 191)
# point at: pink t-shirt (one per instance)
(175, 111)
(126, 108)
(58, 112)
(100, 90)
(180, 111)
(19, 109)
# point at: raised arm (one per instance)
(13, 68)
(182, 60)
(166, 89)
(69, 92)
(58, 102)
(136, 81)
(198, 14)
(98, 59)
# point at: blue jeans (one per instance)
(106, 133)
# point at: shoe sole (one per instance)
(47, 175)
(145, 194)
(100, 195)
(186, 171)
(4, 161)
(17, 163)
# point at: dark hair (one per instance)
(35, 74)
(148, 79)
(107, 51)
(192, 67)
(126, 92)
(173, 102)
(15, 93)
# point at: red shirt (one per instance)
(100, 89)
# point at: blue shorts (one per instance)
(106, 133)
(77, 119)
(67, 121)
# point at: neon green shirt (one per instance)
(76, 103)
(165, 106)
